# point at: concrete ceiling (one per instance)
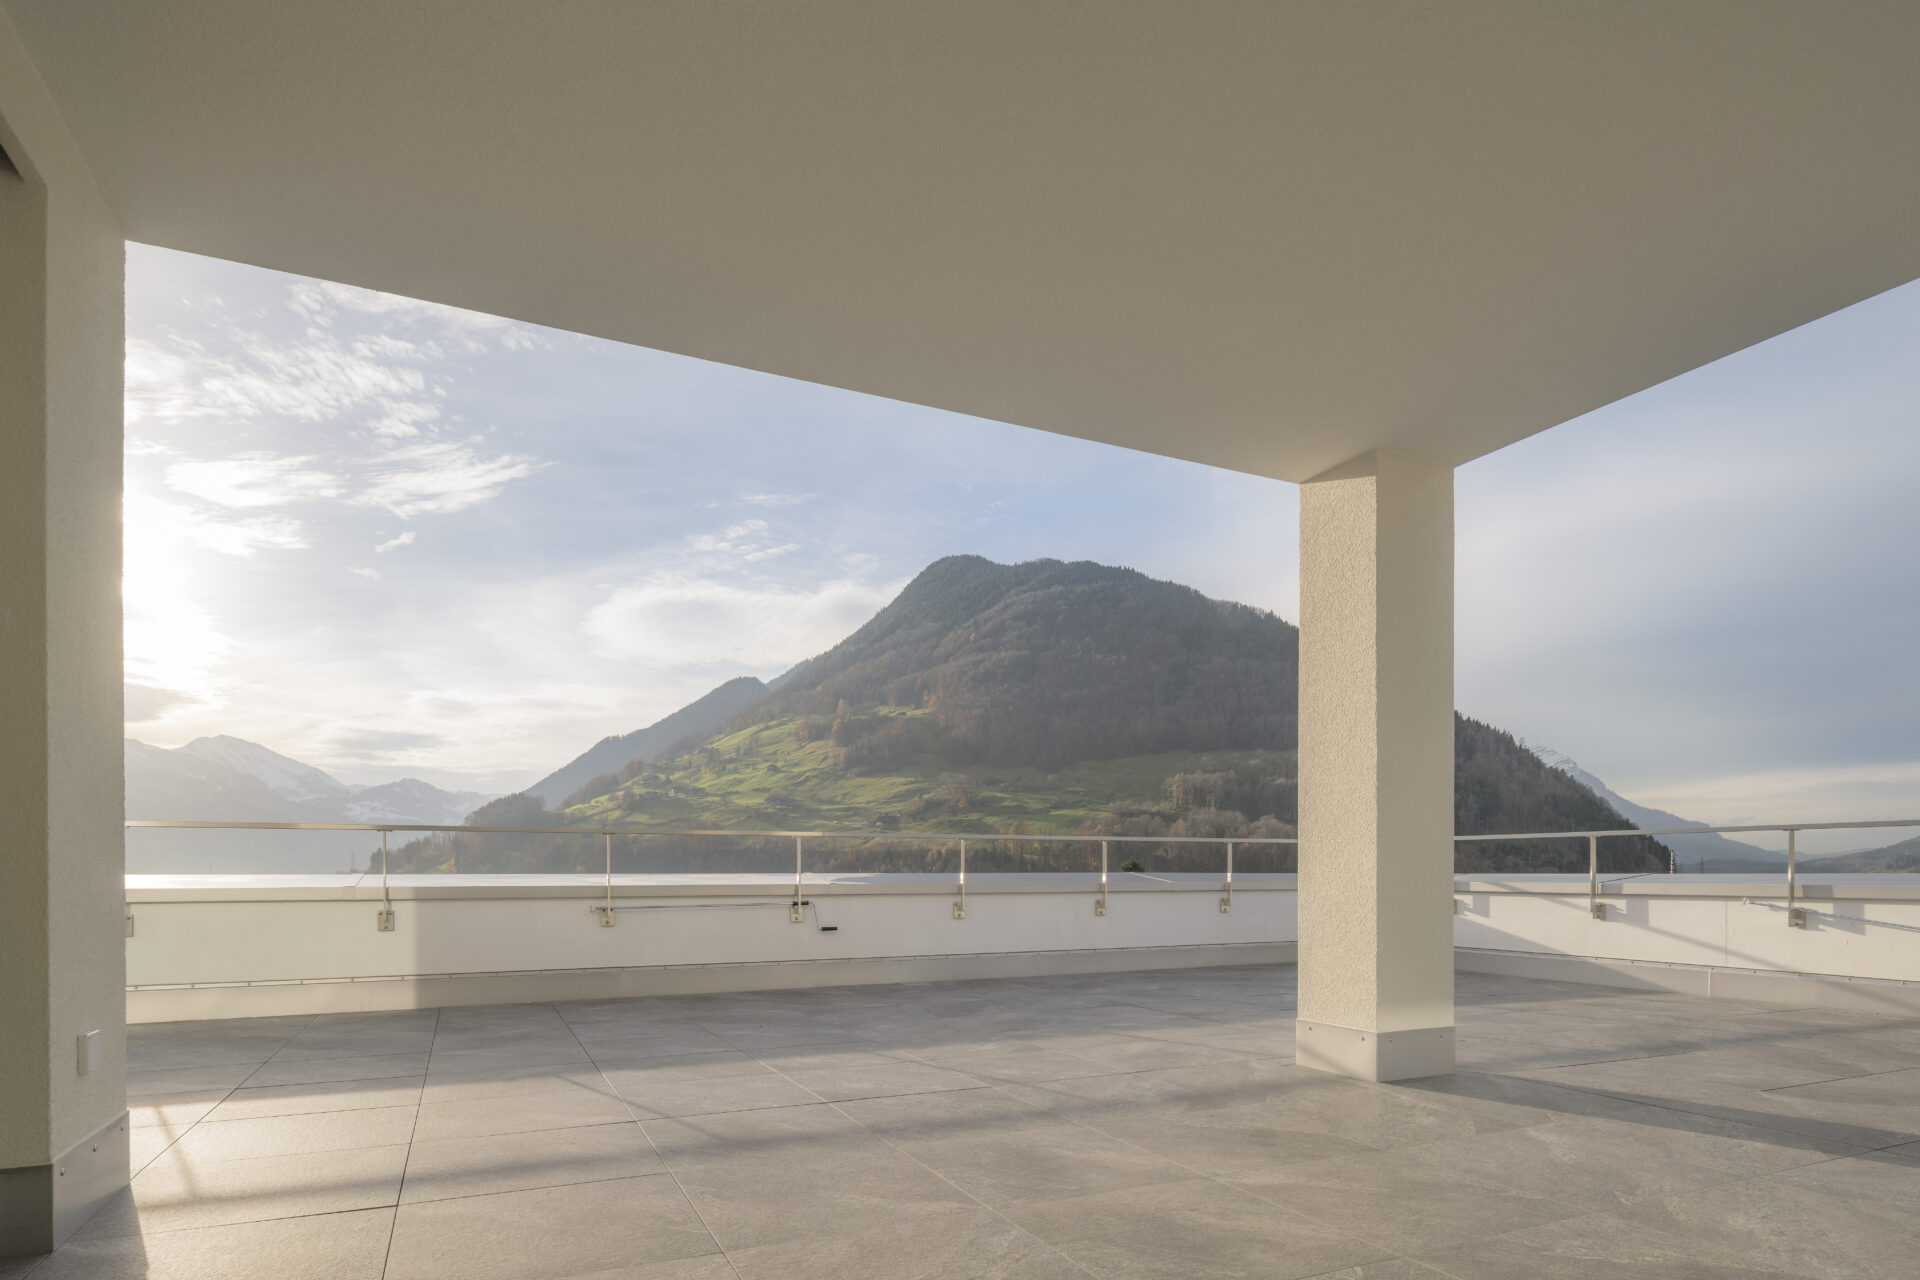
(1266, 236)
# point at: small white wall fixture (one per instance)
(1376, 768)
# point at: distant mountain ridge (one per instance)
(227, 779)
(1050, 696)
(1708, 850)
(698, 719)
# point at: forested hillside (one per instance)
(991, 700)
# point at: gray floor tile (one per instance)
(1221, 1142)
(322, 1070)
(1407, 1199)
(334, 1246)
(176, 1193)
(1647, 1134)
(681, 1038)
(640, 1072)
(467, 1084)
(1386, 1269)
(143, 1145)
(837, 1084)
(309, 1045)
(959, 1245)
(177, 1054)
(1188, 1231)
(177, 1080)
(597, 1228)
(1004, 1154)
(520, 1161)
(1805, 1222)
(249, 1102)
(518, 1113)
(653, 1099)
(1015, 1064)
(296, 1135)
(763, 1177)
(173, 1111)
(1595, 1248)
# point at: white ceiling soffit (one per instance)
(1266, 236)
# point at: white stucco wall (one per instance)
(238, 946)
(62, 267)
(218, 933)
(1703, 921)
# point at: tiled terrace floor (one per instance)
(1121, 1125)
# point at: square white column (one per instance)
(1376, 769)
(63, 1097)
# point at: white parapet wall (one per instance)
(228, 946)
(232, 946)
(1858, 946)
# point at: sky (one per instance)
(394, 539)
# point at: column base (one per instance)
(1373, 1055)
(42, 1205)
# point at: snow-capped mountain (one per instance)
(284, 776)
(1713, 852)
(411, 800)
(226, 779)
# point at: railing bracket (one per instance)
(384, 921)
(605, 914)
(129, 924)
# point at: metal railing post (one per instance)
(1598, 910)
(1226, 903)
(960, 906)
(606, 912)
(796, 914)
(1100, 907)
(384, 922)
(1796, 918)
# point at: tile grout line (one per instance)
(891, 1146)
(399, 1192)
(634, 1120)
(1221, 1183)
(201, 1118)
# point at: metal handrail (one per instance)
(605, 911)
(1796, 916)
(863, 834)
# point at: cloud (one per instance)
(394, 544)
(373, 574)
(1835, 793)
(691, 622)
(777, 499)
(245, 537)
(323, 301)
(371, 744)
(439, 478)
(144, 702)
(252, 480)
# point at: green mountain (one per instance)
(698, 719)
(1045, 697)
